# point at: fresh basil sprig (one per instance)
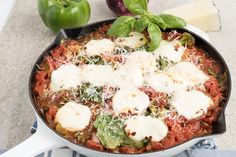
(155, 36)
(123, 25)
(141, 24)
(138, 7)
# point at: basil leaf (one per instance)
(159, 21)
(155, 36)
(173, 21)
(141, 24)
(110, 130)
(138, 7)
(122, 26)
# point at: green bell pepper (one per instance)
(57, 14)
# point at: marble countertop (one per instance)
(24, 37)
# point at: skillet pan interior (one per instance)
(219, 127)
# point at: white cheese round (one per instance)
(128, 75)
(191, 104)
(73, 117)
(142, 59)
(97, 47)
(65, 77)
(134, 40)
(130, 100)
(160, 82)
(141, 127)
(98, 75)
(171, 50)
(187, 74)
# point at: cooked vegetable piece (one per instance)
(187, 40)
(110, 130)
(87, 92)
(162, 63)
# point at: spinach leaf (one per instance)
(159, 21)
(173, 21)
(137, 144)
(87, 92)
(110, 130)
(111, 133)
(155, 36)
(138, 7)
(141, 24)
(122, 26)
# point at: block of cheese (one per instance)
(200, 13)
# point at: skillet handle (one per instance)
(41, 141)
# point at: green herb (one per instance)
(97, 60)
(211, 72)
(123, 25)
(87, 92)
(120, 51)
(162, 63)
(154, 111)
(155, 36)
(187, 40)
(111, 133)
(159, 21)
(141, 24)
(172, 21)
(138, 7)
(137, 144)
(222, 78)
(110, 130)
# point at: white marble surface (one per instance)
(24, 37)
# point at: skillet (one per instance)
(47, 138)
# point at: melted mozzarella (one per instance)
(130, 100)
(128, 75)
(96, 47)
(65, 77)
(134, 40)
(144, 60)
(191, 104)
(187, 74)
(140, 127)
(160, 82)
(73, 116)
(171, 50)
(97, 75)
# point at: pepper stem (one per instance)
(63, 2)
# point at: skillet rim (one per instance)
(63, 34)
